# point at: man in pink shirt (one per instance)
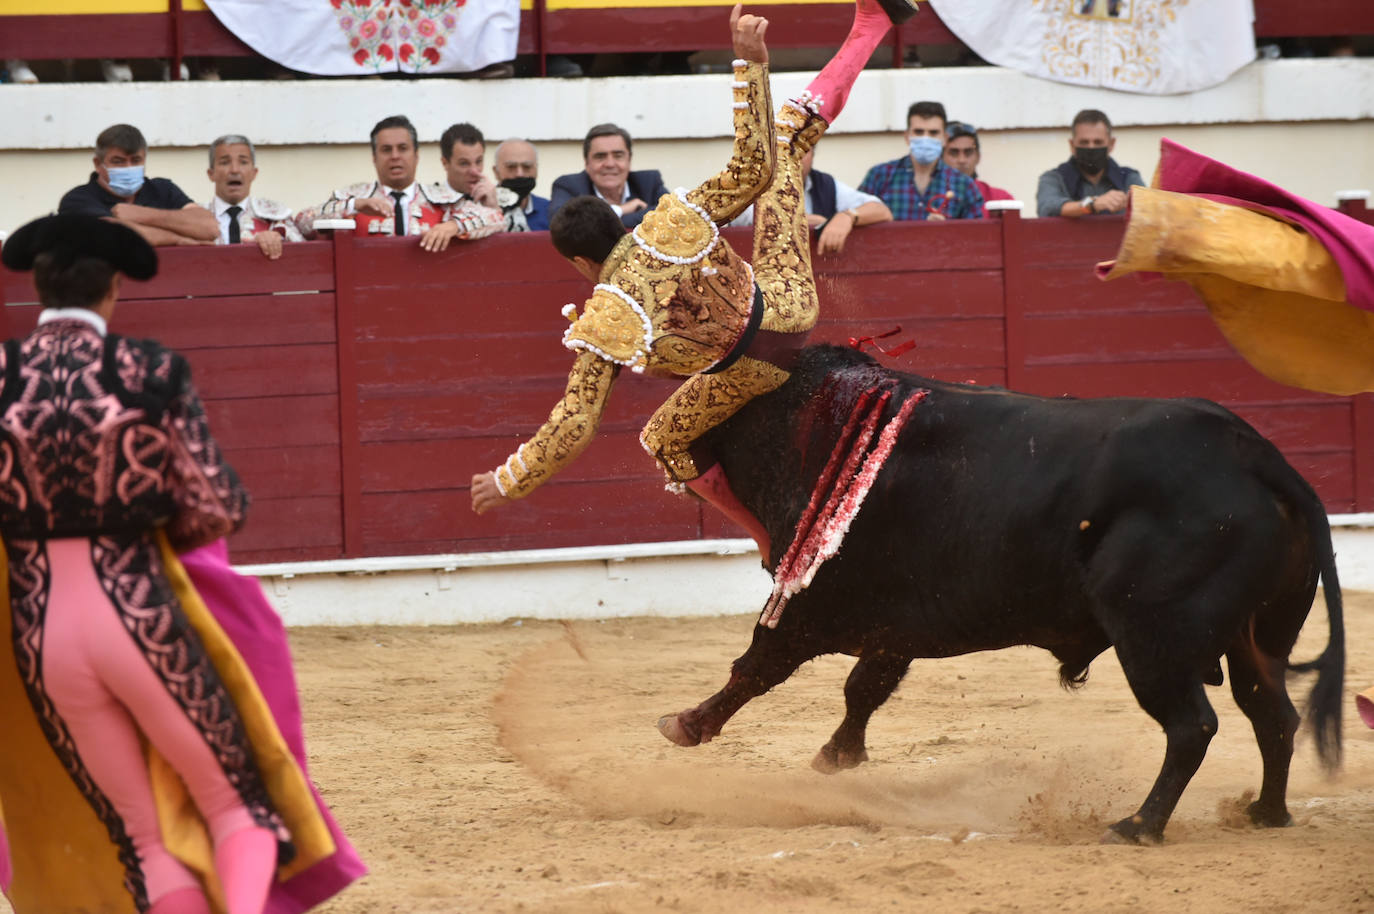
(962, 152)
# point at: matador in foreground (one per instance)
(673, 299)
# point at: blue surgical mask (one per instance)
(926, 149)
(126, 181)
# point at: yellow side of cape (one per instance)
(1275, 292)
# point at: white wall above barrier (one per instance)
(276, 113)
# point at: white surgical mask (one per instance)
(126, 181)
(926, 149)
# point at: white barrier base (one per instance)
(696, 578)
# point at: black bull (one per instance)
(1169, 530)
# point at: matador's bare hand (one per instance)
(747, 34)
(485, 494)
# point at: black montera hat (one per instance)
(71, 237)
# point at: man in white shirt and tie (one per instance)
(241, 216)
(396, 204)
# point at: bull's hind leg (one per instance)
(1174, 696)
(772, 657)
(870, 684)
(1257, 682)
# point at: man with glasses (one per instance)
(963, 153)
(1090, 182)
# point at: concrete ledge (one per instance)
(693, 578)
(313, 112)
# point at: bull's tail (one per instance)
(1326, 699)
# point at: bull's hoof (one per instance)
(1131, 831)
(1111, 836)
(831, 760)
(673, 730)
(1265, 817)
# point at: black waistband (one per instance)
(745, 338)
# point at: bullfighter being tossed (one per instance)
(673, 299)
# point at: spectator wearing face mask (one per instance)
(119, 191)
(920, 185)
(1090, 182)
(963, 152)
(517, 168)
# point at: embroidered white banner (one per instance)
(362, 37)
(1153, 46)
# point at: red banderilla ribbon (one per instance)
(859, 342)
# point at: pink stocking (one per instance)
(182, 901)
(246, 862)
(715, 488)
(831, 86)
(110, 698)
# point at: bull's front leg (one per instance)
(772, 657)
(870, 683)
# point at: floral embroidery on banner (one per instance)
(397, 35)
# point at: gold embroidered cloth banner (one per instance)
(1158, 47)
(362, 37)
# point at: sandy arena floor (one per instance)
(515, 767)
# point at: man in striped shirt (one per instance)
(920, 185)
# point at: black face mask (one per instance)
(522, 187)
(1091, 159)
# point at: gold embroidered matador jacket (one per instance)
(673, 299)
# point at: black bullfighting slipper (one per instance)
(898, 11)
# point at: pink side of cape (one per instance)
(1350, 241)
(241, 609)
(238, 604)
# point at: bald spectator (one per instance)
(517, 167)
(1090, 182)
(606, 154)
(242, 217)
(120, 191)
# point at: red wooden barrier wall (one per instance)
(358, 384)
(178, 33)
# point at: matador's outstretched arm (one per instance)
(750, 168)
(569, 429)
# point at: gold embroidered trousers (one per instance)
(782, 270)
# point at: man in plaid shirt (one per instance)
(920, 185)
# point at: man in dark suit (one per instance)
(606, 152)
